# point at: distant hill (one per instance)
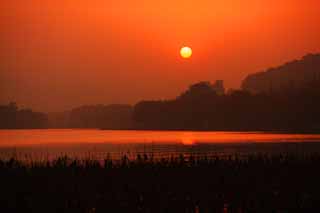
(13, 117)
(292, 76)
(115, 116)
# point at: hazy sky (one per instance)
(57, 54)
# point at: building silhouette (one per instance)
(218, 87)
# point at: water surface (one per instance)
(95, 143)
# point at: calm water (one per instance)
(97, 144)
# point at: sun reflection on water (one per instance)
(188, 141)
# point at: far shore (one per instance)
(316, 131)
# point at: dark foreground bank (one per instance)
(284, 183)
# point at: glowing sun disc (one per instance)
(185, 52)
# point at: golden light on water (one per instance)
(188, 141)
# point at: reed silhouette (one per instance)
(256, 183)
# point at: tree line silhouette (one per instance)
(286, 98)
(114, 116)
(200, 108)
(14, 118)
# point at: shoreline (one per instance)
(182, 130)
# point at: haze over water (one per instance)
(41, 144)
(9, 138)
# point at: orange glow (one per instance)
(71, 53)
(20, 138)
(186, 52)
(188, 141)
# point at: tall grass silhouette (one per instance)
(253, 183)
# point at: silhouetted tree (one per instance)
(199, 108)
(14, 118)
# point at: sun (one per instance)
(185, 52)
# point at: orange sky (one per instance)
(57, 54)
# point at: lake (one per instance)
(98, 144)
